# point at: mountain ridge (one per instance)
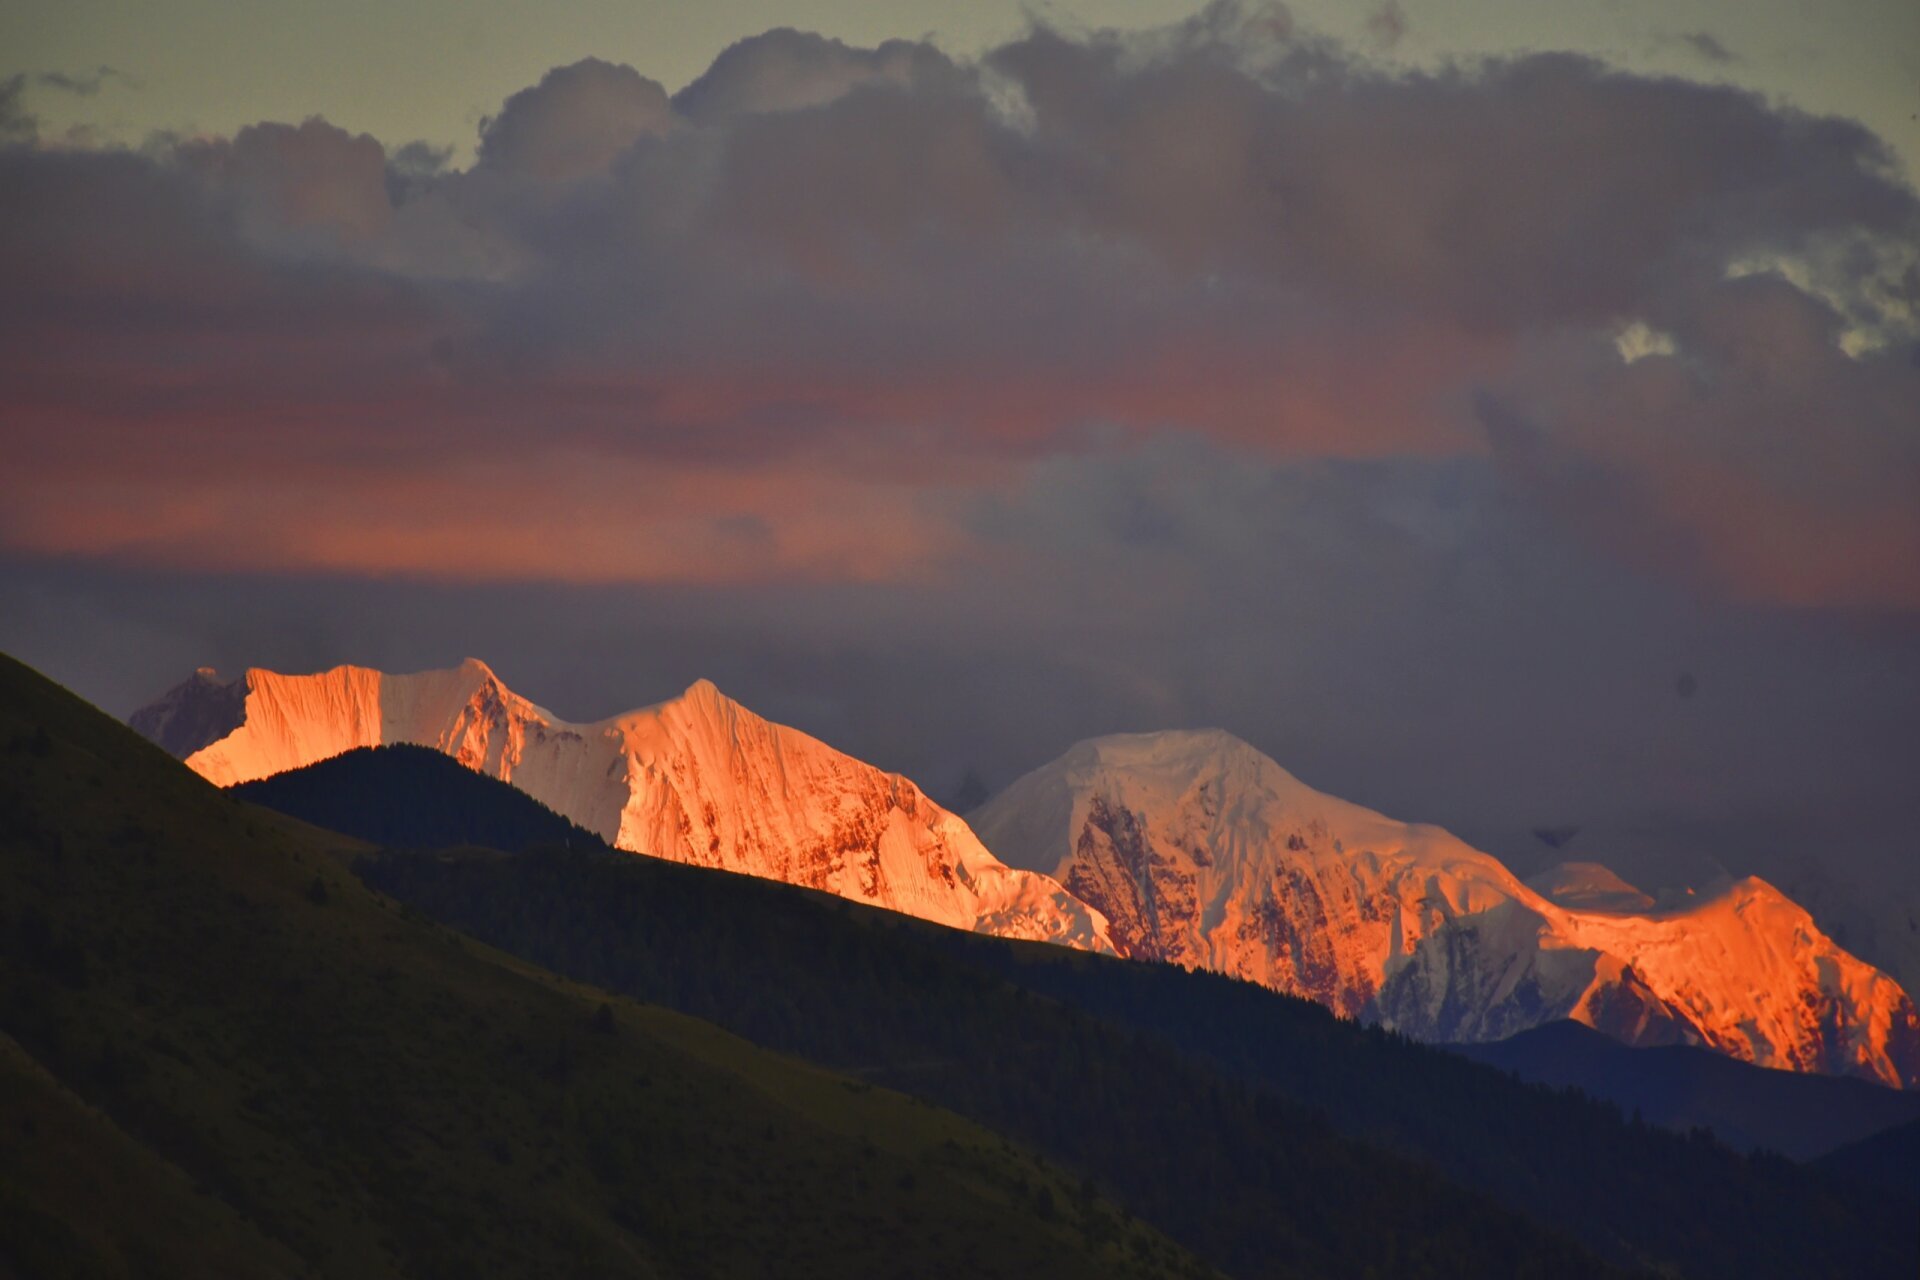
(1187, 847)
(1200, 850)
(1138, 1071)
(224, 1055)
(698, 778)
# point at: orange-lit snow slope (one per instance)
(697, 779)
(1203, 852)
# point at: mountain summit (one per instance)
(1204, 852)
(698, 779)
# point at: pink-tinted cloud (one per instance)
(1756, 455)
(309, 180)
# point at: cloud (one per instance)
(1755, 454)
(788, 70)
(84, 83)
(18, 127)
(1387, 25)
(291, 183)
(1708, 47)
(835, 298)
(1420, 426)
(574, 122)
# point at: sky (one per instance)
(433, 69)
(1503, 415)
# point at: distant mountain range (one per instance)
(221, 1054)
(1202, 851)
(1189, 848)
(698, 779)
(1274, 1134)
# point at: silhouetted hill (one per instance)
(1890, 1159)
(413, 797)
(1682, 1088)
(1214, 1108)
(224, 1056)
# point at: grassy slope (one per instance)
(87, 1171)
(246, 1059)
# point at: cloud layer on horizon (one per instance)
(816, 313)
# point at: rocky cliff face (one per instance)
(1203, 852)
(696, 779)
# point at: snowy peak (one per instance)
(265, 723)
(698, 778)
(1757, 978)
(199, 710)
(1202, 851)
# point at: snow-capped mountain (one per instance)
(1203, 852)
(696, 779)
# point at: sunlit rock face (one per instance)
(697, 779)
(1203, 852)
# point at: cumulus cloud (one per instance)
(788, 70)
(299, 181)
(574, 121)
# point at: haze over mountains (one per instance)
(1190, 848)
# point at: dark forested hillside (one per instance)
(407, 797)
(1210, 1105)
(221, 1055)
(1890, 1159)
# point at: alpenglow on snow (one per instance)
(1189, 848)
